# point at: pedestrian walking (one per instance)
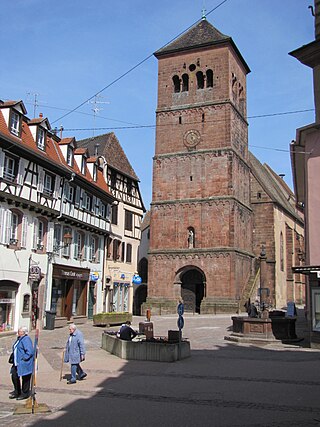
(22, 365)
(75, 353)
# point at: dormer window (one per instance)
(41, 136)
(15, 123)
(83, 165)
(70, 156)
(95, 172)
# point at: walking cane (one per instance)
(62, 360)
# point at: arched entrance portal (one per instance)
(139, 298)
(192, 289)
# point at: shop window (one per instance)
(185, 82)
(26, 303)
(7, 305)
(120, 296)
(315, 309)
(79, 299)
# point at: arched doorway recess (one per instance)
(192, 288)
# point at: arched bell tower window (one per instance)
(200, 80)
(176, 84)
(209, 74)
(185, 82)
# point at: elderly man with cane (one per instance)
(75, 353)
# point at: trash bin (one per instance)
(50, 319)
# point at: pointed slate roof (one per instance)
(202, 34)
(109, 147)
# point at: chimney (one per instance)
(40, 115)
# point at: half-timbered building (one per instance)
(126, 215)
(55, 208)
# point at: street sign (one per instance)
(180, 322)
(180, 309)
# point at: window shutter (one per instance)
(2, 156)
(40, 179)
(99, 250)
(2, 224)
(50, 237)
(21, 171)
(24, 231)
(56, 187)
(8, 219)
(35, 233)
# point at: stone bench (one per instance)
(145, 350)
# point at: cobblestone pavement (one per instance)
(222, 384)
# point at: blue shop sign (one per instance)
(137, 280)
(94, 277)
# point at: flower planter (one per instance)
(109, 319)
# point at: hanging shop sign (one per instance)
(136, 279)
(94, 276)
(34, 272)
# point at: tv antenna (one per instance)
(34, 98)
(96, 109)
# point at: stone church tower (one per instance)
(201, 219)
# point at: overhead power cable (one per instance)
(187, 123)
(133, 68)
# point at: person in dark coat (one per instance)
(22, 365)
(126, 332)
(75, 353)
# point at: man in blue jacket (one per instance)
(22, 366)
(75, 353)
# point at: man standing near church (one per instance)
(75, 353)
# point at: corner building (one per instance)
(201, 219)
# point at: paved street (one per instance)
(222, 384)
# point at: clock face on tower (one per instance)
(191, 138)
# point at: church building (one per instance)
(201, 247)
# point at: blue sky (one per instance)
(67, 51)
